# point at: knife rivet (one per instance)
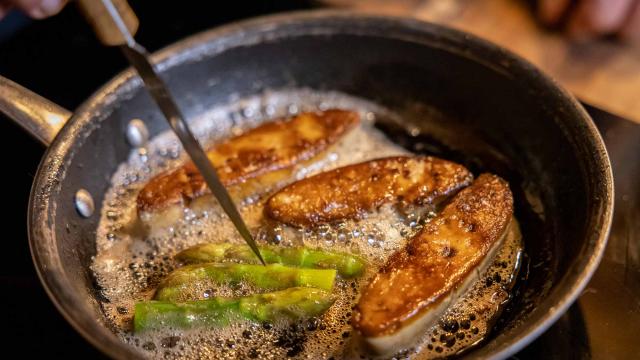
(84, 203)
(137, 133)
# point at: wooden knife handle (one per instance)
(113, 21)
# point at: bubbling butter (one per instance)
(129, 263)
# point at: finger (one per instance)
(52, 7)
(4, 9)
(39, 9)
(593, 17)
(631, 28)
(29, 7)
(550, 11)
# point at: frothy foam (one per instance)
(129, 264)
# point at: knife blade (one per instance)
(138, 58)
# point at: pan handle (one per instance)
(38, 116)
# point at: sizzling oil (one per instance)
(129, 264)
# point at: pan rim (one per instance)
(51, 168)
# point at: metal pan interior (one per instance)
(470, 101)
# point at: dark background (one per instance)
(60, 59)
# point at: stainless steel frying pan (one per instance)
(474, 102)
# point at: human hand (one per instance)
(37, 9)
(588, 18)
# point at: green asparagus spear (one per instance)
(178, 284)
(291, 304)
(287, 305)
(216, 312)
(348, 265)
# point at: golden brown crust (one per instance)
(272, 146)
(437, 259)
(350, 191)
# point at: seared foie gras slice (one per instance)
(269, 149)
(416, 285)
(351, 191)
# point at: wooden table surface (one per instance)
(604, 73)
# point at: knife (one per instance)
(115, 23)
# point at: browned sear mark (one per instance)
(437, 259)
(351, 191)
(270, 147)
